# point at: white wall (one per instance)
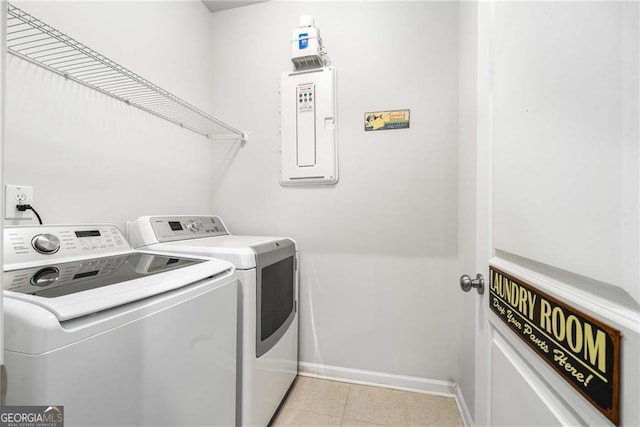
(379, 285)
(92, 158)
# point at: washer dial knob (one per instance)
(45, 277)
(194, 226)
(46, 243)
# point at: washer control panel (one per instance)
(34, 243)
(169, 229)
(35, 279)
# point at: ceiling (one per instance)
(218, 5)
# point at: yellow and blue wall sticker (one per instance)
(386, 120)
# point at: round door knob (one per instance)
(45, 277)
(466, 283)
(46, 244)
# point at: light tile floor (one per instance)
(315, 402)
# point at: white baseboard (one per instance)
(467, 419)
(379, 379)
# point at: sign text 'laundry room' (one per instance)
(583, 350)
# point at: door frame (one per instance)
(485, 59)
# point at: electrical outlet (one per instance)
(17, 195)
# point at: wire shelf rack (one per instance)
(33, 40)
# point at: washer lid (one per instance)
(74, 289)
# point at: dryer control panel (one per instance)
(158, 229)
(35, 244)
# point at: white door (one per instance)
(555, 193)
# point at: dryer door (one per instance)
(276, 299)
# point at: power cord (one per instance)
(23, 208)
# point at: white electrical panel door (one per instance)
(309, 152)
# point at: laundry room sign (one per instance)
(583, 350)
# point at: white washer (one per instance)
(116, 336)
(267, 273)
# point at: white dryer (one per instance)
(117, 336)
(268, 277)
